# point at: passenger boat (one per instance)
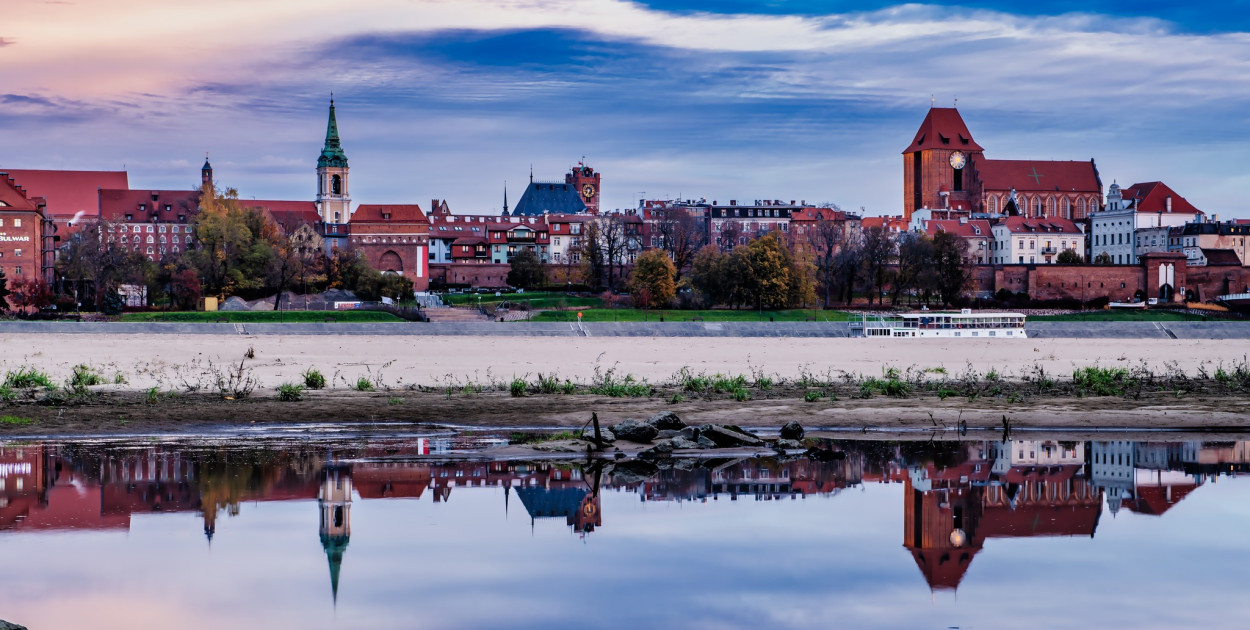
(965, 323)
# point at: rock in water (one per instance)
(725, 437)
(792, 431)
(605, 435)
(665, 434)
(633, 471)
(666, 420)
(681, 442)
(788, 444)
(634, 431)
(4, 625)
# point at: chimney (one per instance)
(1169, 203)
(733, 202)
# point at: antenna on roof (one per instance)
(956, 101)
(932, 101)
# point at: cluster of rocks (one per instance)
(666, 432)
(4, 625)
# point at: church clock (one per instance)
(588, 191)
(958, 160)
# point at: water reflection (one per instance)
(956, 496)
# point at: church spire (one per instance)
(332, 153)
(505, 197)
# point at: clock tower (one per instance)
(940, 165)
(585, 181)
(333, 199)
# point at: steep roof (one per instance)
(967, 229)
(1153, 196)
(1026, 225)
(1039, 175)
(386, 213)
(332, 152)
(69, 192)
(944, 568)
(12, 197)
(549, 198)
(1217, 257)
(116, 204)
(943, 128)
(288, 214)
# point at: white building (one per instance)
(1148, 207)
(1021, 240)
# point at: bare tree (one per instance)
(826, 238)
(879, 251)
(680, 234)
(613, 244)
(730, 232)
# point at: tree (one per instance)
(31, 293)
(1102, 259)
(97, 260)
(653, 277)
(613, 243)
(879, 250)
(527, 270)
(1069, 257)
(951, 266)
(708, 275)
(766, 280)
(915, 262)
(185, 290)
(730, 233)
(4, 291)
(591, 252)
(680, 234)
(825, 239)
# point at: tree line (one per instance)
(239, 250)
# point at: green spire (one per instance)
(334, 547)
(332, 153)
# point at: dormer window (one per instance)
(386, 216)
(130, 217)
(168, 208)
(143, 207)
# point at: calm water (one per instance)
(973, 534)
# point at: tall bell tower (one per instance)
(333, 199)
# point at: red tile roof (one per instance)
(288, 214)
(943, 128)
(69, 192)
(1152, 197)
(954, 226)
(116, 204)
(1038, 175)
(1155, 500)
(1026, 225)
(1217, 257)
(403, 213)
(12, 197)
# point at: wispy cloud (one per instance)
(728, 100)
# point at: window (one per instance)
(17, 223)
(17, 271)
(162, 230)
(17, 252)
(150, 230)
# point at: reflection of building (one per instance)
(1145, 477)
(1024, 489)
(335, 503)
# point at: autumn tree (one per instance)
(767, 268)
(30, 293)
(654, 277)
(708, 275)
(96, 260)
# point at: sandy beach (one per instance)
(151, 360)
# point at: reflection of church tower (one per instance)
(333, 198)
(335, 501)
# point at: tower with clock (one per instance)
(585, 181)
(939, 165)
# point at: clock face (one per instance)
(958, 160)
(588, 191)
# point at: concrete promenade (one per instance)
(1039, 330)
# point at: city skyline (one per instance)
(732, 100)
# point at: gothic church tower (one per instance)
(335, 501)
(333, 199)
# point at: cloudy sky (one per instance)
(723, 99)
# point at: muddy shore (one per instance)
(166, 382)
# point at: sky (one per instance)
(715, 99)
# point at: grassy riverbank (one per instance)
(262, 317)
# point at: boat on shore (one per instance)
(964, 323)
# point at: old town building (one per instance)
(1026, 240)
(156, 223)
(945, 168)
(1116, 230)
(26, 234)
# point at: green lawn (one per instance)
(1119, 316)
(261, 317)
(719, 315)
(537, 300)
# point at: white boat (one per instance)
(965, 323)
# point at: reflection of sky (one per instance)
(819, 562)
(728, 99)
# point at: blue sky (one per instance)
(723, 99)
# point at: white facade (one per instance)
(1024, 247)
(1114, 230)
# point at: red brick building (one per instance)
(26, 234)
(944, 167)
(156, 223)
(394, 239)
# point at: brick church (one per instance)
(945, 169)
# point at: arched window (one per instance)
(1067, 208)
(336, 185)
(1050, 206)
(992, 206)
(150, 241)
(1037, 206)
(1080, 207)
